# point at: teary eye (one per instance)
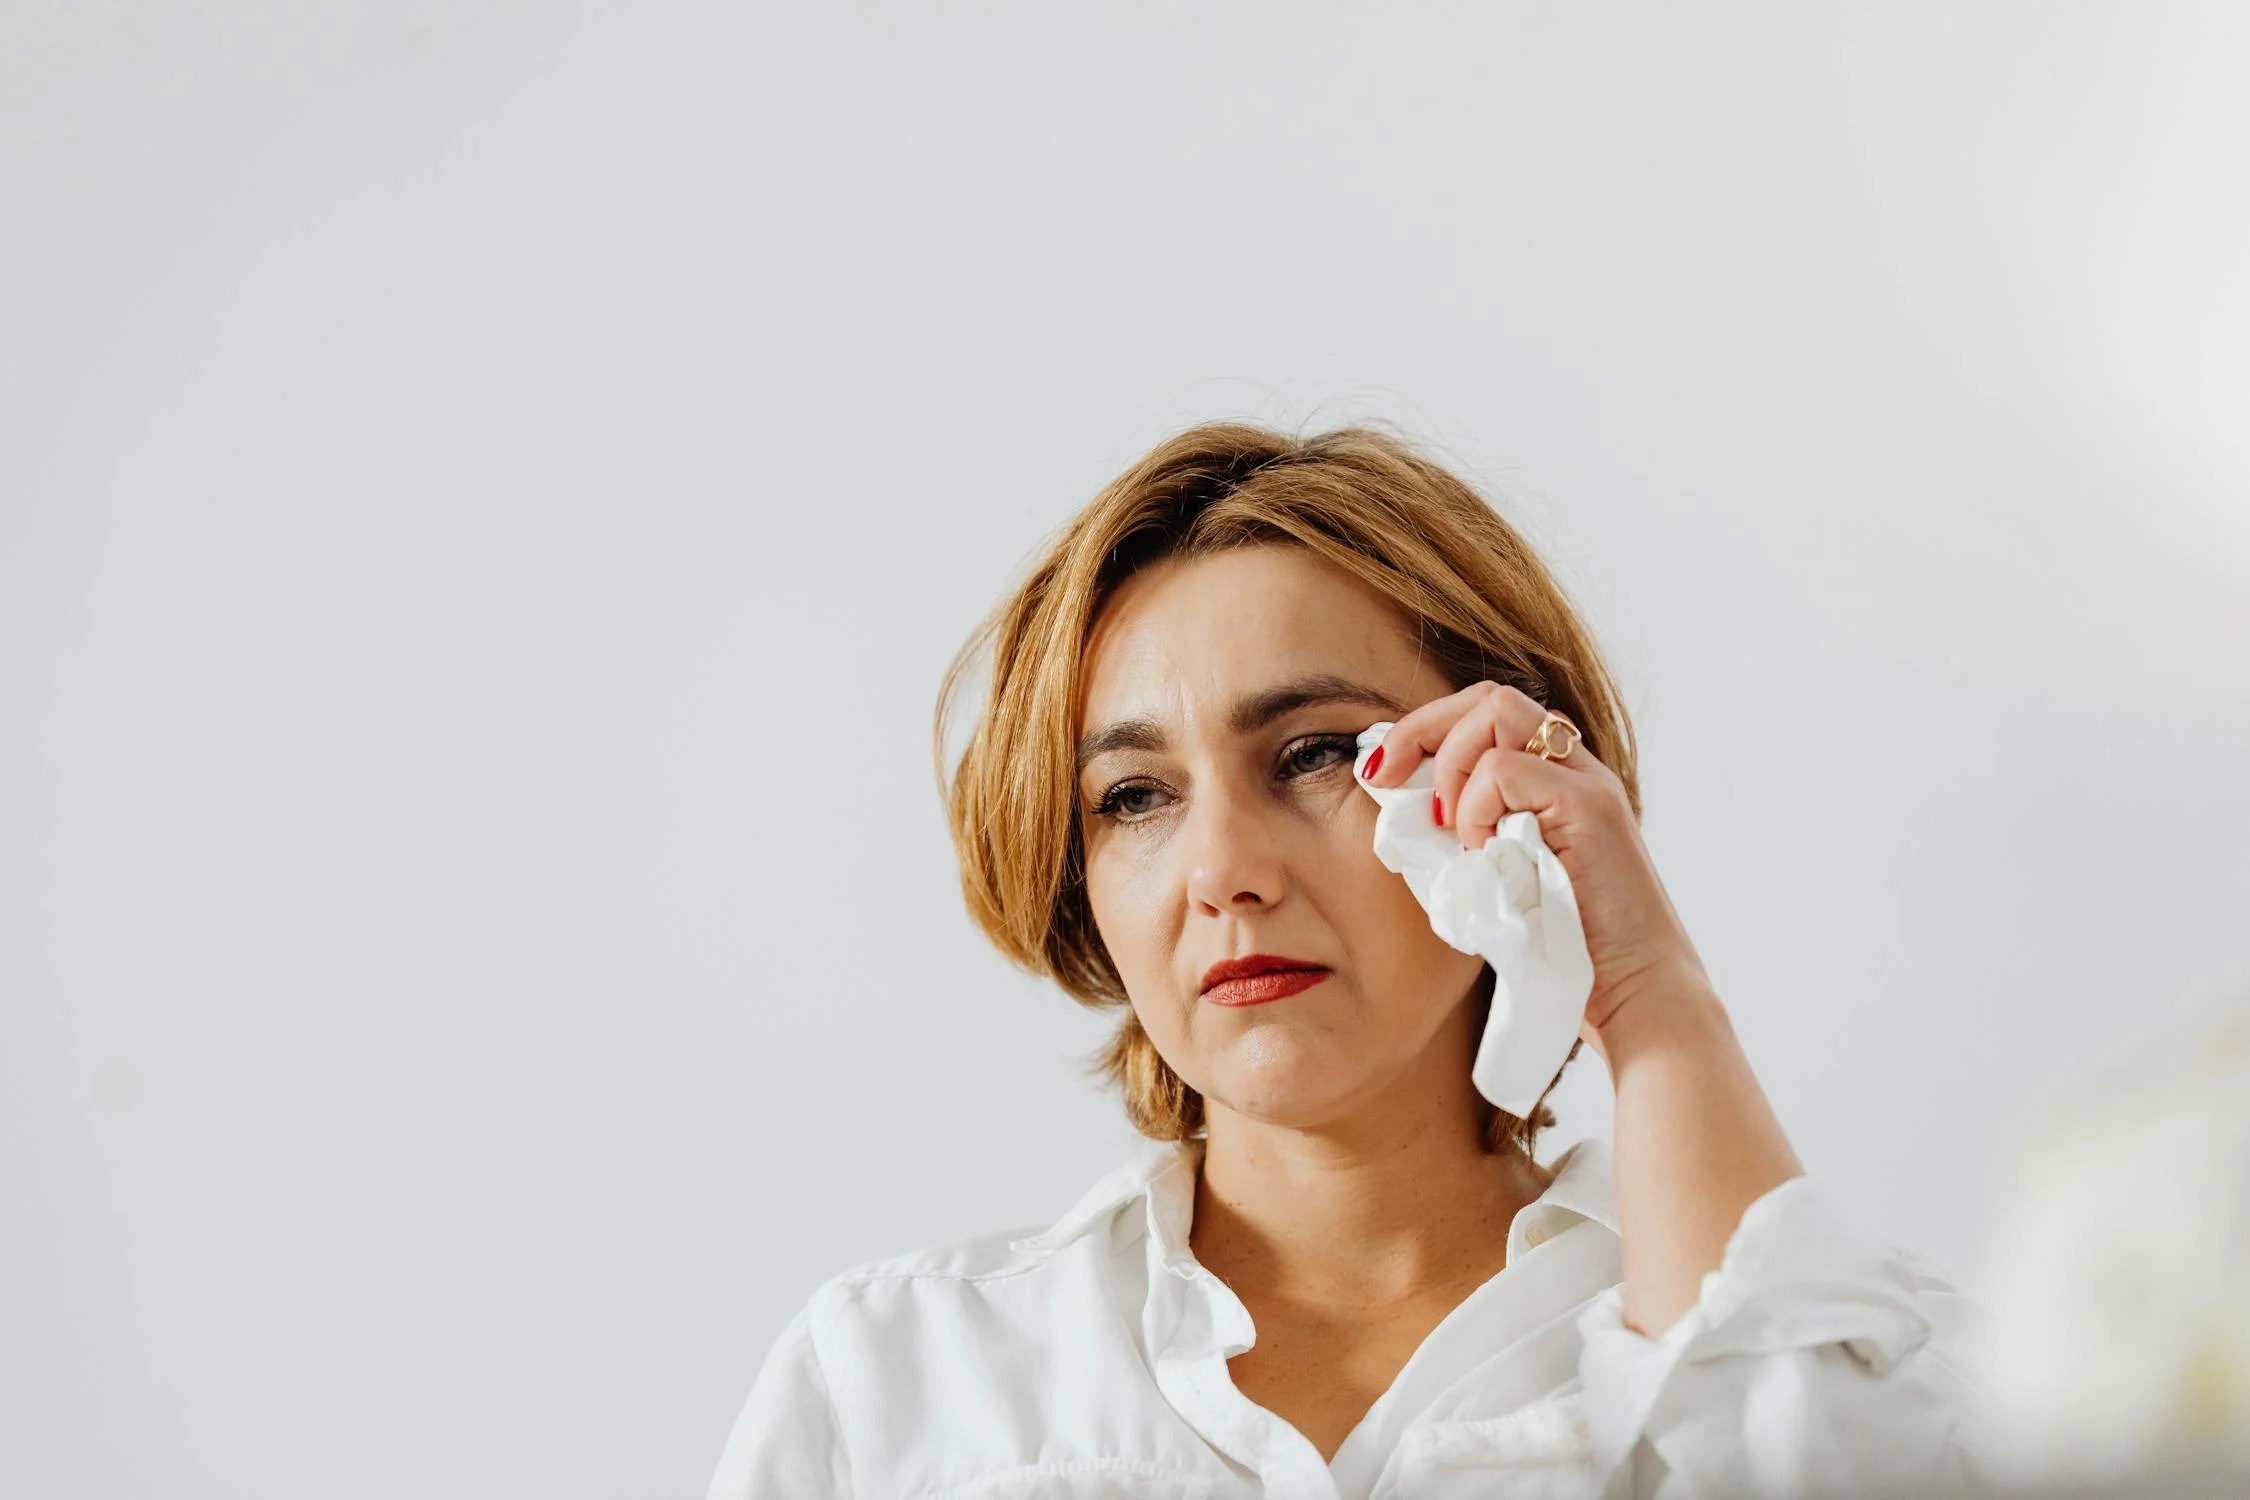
(1319, 752)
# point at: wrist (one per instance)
(1669, 1013)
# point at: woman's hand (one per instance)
(1483, 773)
(1696, 1139)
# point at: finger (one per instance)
(1456, 758)
(1507, 717)
(1481, 802)
(1417, 735)
(1507, 781)
(1516, 719)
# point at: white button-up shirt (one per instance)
(1089, 1362)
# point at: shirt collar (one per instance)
(1163, 1173)
(1584, 1190)
(1136, 1176)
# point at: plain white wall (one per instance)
(489, 491)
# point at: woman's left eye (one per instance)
(1308, 756)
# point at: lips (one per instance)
(1258, 977)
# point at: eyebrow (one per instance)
(1251, 712)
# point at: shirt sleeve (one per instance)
(1814, 1361)
(787, 1441)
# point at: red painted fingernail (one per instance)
(1375, 761)
(1437, 809)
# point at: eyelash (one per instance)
(1107, 806)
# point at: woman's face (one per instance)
(1221, 819)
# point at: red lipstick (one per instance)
(1256, 978)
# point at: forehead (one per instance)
(1184, 636)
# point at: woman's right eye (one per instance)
(1119, 801)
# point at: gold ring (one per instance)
(1541, 743)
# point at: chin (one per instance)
(1296, 1094)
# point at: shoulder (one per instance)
(891, 1354)
(938, 1330)
(1005, 1291)
(976, 1258)
(998, 1285)
(1086, 1235)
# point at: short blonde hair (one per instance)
(1483, 605)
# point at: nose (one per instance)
(1235, 863)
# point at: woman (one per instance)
(1335, 1270)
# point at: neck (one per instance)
(1393, 1204)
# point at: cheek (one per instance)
(1380, 911)
(1127, 907)
(1128, 904)
(1384, 926)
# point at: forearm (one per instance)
(1696, 1144)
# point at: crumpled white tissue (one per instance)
(1510, 903)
